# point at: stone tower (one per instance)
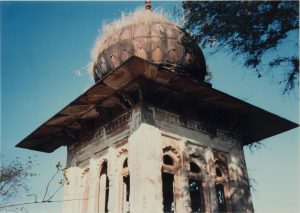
(151, 135)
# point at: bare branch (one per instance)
(59, 171)
(58, 166)
(55, 192)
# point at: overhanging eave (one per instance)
(162, 87)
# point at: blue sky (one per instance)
(45, 45)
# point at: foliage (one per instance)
(253, 30)
(14, 177)
(255, 146)
(252, 184)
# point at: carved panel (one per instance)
(118, 122)
(99, 135)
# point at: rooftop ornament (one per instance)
(148, 5)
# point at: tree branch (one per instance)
(55, 192)
(51, 179)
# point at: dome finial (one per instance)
(148, 5)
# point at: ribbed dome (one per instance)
(151, 37)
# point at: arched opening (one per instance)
(168, 184)
(168, 192)
(168, 160)
(194, 168)
(125, 187)
(103, 189)
(220, 196)
(221, 186)
(196, 189)
(218, 172)
(196, 195)
(125, 164)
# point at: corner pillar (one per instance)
(144, 156)
(72, 191)
(239, 184)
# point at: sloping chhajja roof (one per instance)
(163, 88)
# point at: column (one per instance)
(102, 193)
(113, 176)
(144, 157)
(94, 185)
(72, 191)
(184, 200)
(212, 205)
(238, 182)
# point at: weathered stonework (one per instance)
(144, 135)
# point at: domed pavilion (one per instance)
(151, 135)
